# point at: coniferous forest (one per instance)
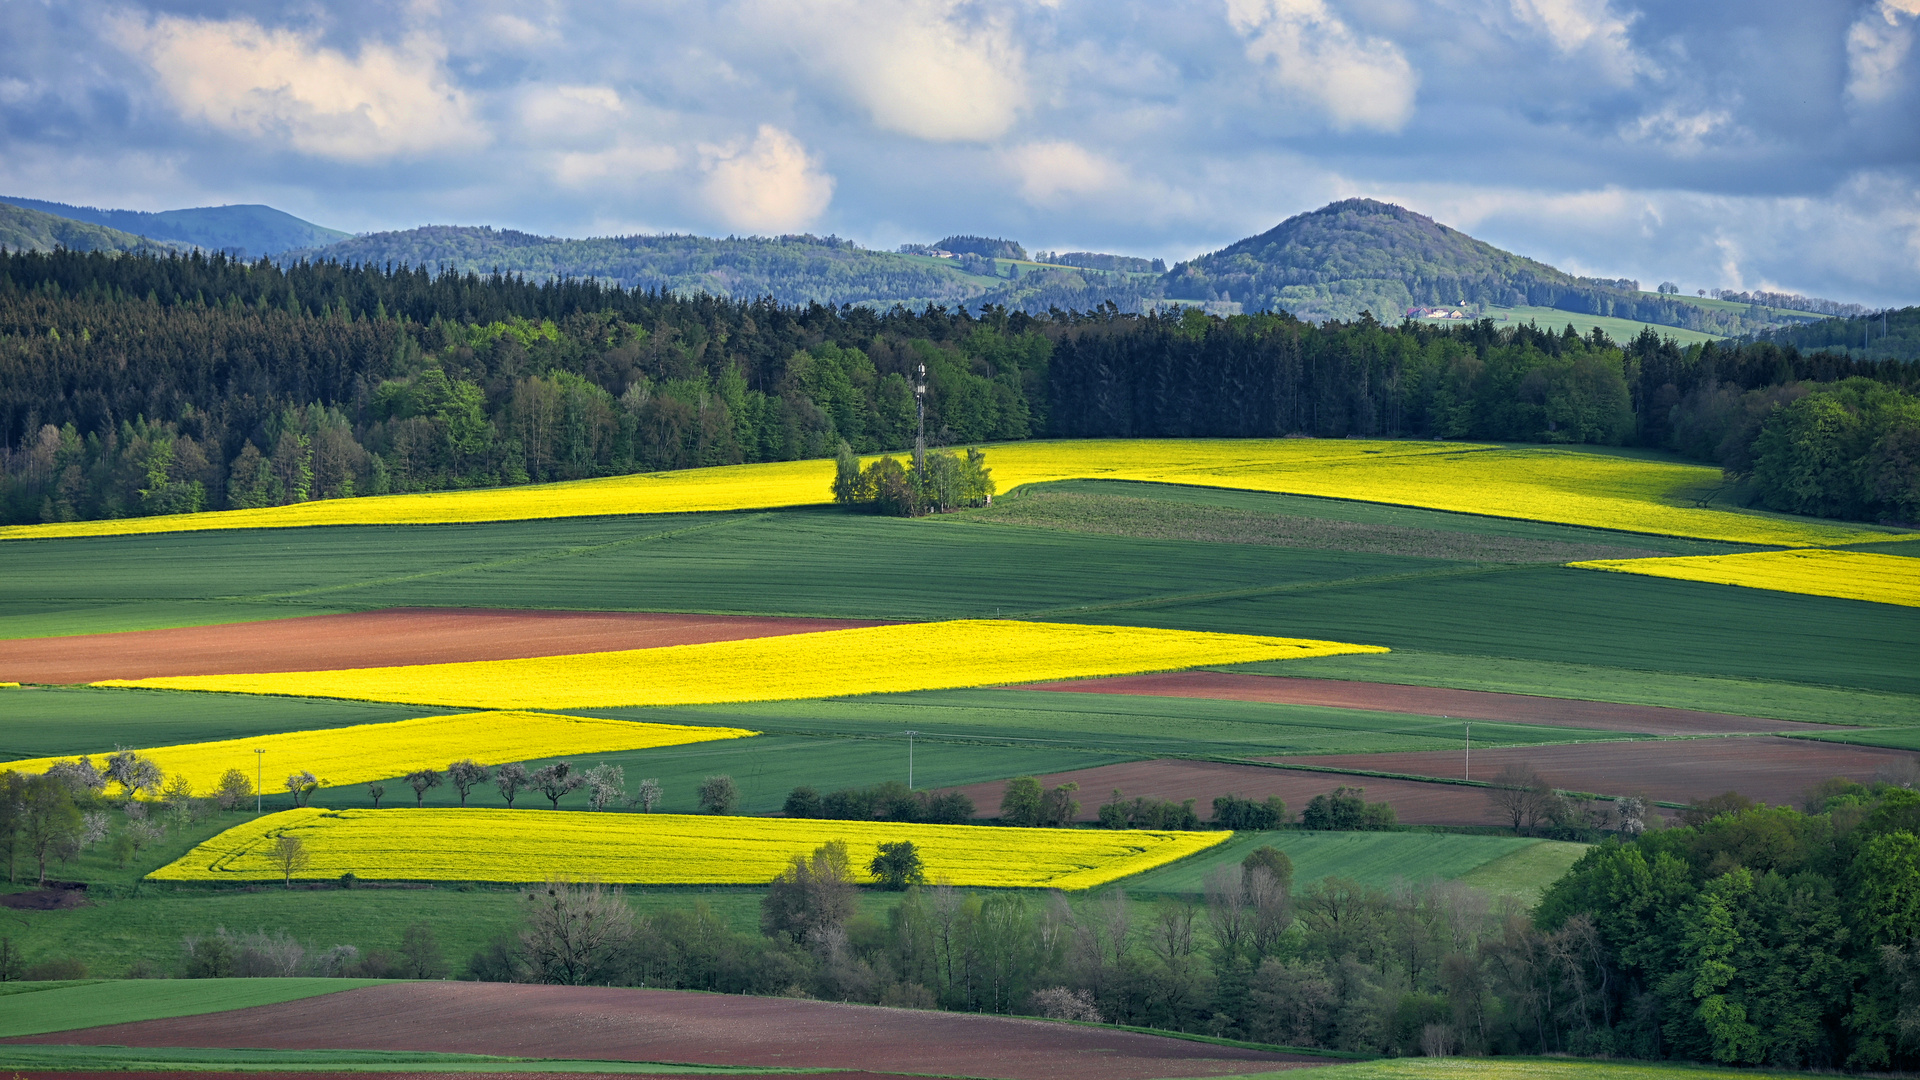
(145, 384)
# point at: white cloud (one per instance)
(282, 86)
(1050, 170)
(1587, 27)
(1878, 44)
(1359, 81)
(932, 69)
(1685, 132)
(769, 185)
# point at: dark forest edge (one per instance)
(144, 384)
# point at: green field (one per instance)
(49, 721)
(1548, 678)
(1377, 859)
(1553, 319)
(1898, 738)
(63, 1008)
(1517, 1068)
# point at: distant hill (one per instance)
(249, 229)
(1364, 255)
(1887, 335)
(791, 269)
(22, 229)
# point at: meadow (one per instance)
(1377, 859)
(32, 1010)
(660, 849)
(61, 721)
(876, 659)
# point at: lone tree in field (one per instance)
(605, 783)
(423, 781)
(898, 865)
(574, 932)
(302, 785)
(236, 787)
(378, 791)
(133, 773)
(556, 781)
(510, 778)
(1021, 803)
(1520, 796)
(467, 774)
(648, 794)
(717, 794)
(289, 856)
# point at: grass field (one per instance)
(876, 659)
(1555, 320)
(37, 721)
(1377, 859)
(1461, 1068)
(92, 1004)
(1634, 491)
(660, 849)
(1548, 678)
(1899, 738)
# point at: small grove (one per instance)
(145, 385)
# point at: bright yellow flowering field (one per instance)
(869, 660)
(664, 849)
(1558, 484)
(363, 752)
(1850, 575)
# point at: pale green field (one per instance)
(1620, 330)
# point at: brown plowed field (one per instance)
(41, 1074)
(1427, 701)
(374, 639)
(1417, 803)
(1762, 768)
(604, 1023)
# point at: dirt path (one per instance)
(605, 1023)
(1764, 769)
(374, 639)
(1427, 701)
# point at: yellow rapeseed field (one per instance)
(1851, 575)
(869, 660)
(363, 752)
(1558, 484)
(663, 849)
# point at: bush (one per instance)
(1234, 812)
(718, 794)
(55, 970)
(1145, 813)
(888, 801)
(1344, 809)
(802, 802)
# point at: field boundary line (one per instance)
(547, 555)
(1414, 777)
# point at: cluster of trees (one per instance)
(1883, 335)
(138, 384)
(52, 817)
(890, 800)
(938, 483)
(1346, 809)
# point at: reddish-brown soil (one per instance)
(624, 1074)
(1416, 803)
(1427, 701)
(374, 639)
(1762, 768)
(604, 1023)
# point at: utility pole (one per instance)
(259, 758)
(920, 407)
(910, 736)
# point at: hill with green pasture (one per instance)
(22, 229)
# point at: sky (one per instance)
(1740, 145)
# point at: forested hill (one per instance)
(22, 229)
(1363, 255)
(790, 269)
(1885, 335)
(143, 384)
(248, 229)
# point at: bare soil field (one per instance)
(1762, 768)
(1416, 803)
(374, 639)
(605, 1023)
(1427, 701)
(358, 1074)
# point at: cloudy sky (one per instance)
(1757, 143)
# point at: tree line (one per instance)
(144, 384)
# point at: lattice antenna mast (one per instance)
(920, 407)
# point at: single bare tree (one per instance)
(289, 856)
(467, 774)
(556, 781)
(648, 795)
(378, 791)
(605, 783)
(302, 785)
(510, 778)
(1519, 796)
(573, 931)
(423, 781)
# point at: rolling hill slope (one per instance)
(22, 229)
(250, 228)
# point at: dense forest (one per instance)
(151, 384)
(1884, 335)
